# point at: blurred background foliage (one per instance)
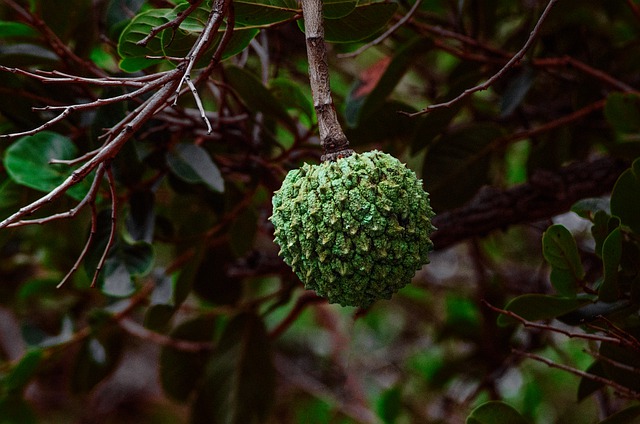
(196, 319)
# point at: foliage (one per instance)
(140, 155)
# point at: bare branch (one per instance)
(196, 97)
(114, 215)
(488, 83)
(135, 329)
(622, 390)
(175, 23)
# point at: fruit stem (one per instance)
(332, 139)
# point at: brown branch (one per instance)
(174, 23)
(135, 329)
(546, 194)
(303, 301)
(112, 232)
(622, 390)
(332, 139)
(488, 83)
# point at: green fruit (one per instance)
(354, 230)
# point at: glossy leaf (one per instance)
(239, 385)
(365, 21)
(495, 412)
(135, 31)
(261, 15)
(587, 208)
(611, 256)
(336, 9)
(16, 29)
(181, 372)
(192, 164)
(625, 196)
(27, 163)
(536, 307)
(561, 252)
(593, 311)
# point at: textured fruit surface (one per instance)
(354, 230)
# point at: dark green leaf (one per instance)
(588, 386)
(255, 95)
(258, 15)
(23, 371)
(27, 163)
(336, 9)
(611, 255)
(622, 111)
(625, 197)
(536, 307)
(97, 358)
(495, 412)
(239, 384)
(289, 94)
(125, 262)
(460, 159)
(212, 281)
(16, 29)
(193, 164)
(389, 405)
(365, 21)
(181, 372)
(595, 311)
(157, 317)
(141, 218)
(137, 30)
(561, 252)
(629, 415)
(629, 358)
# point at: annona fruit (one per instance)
(354, 230)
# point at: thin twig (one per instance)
(303, 301)
(112, 232)
(91, 199)
(135, 329)
(622, 390)
(196, 97)
(51, 122)
(614, 363)
(174, 23)
(385, 35)
(488, 83)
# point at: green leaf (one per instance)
(239, 384)
(615, 354)
(495, 412)
(561, 252)
(291, 96)
(181, 372)
(611, 256)
(261, 15)
(255, 95)
(536, 307)
(389, 405)
(16, 29)
(363, 22)
(622, 111)
(459, 159)
(138, 29)
(97, 358)
(626, 416)
(516, 91)
(596, 310)
(625, 197)
(23, 371)
(336, 9)
(27, 163)
(588, 386)
(192, 164)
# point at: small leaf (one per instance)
(180, 371)
(192, 164)
(625, 195)
(27, 163)
(239, 384)
(495, 412)
(536, 307)
(561, 252)
(611, 256)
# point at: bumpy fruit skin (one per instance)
(354, 230)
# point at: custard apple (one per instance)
(354, 230)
